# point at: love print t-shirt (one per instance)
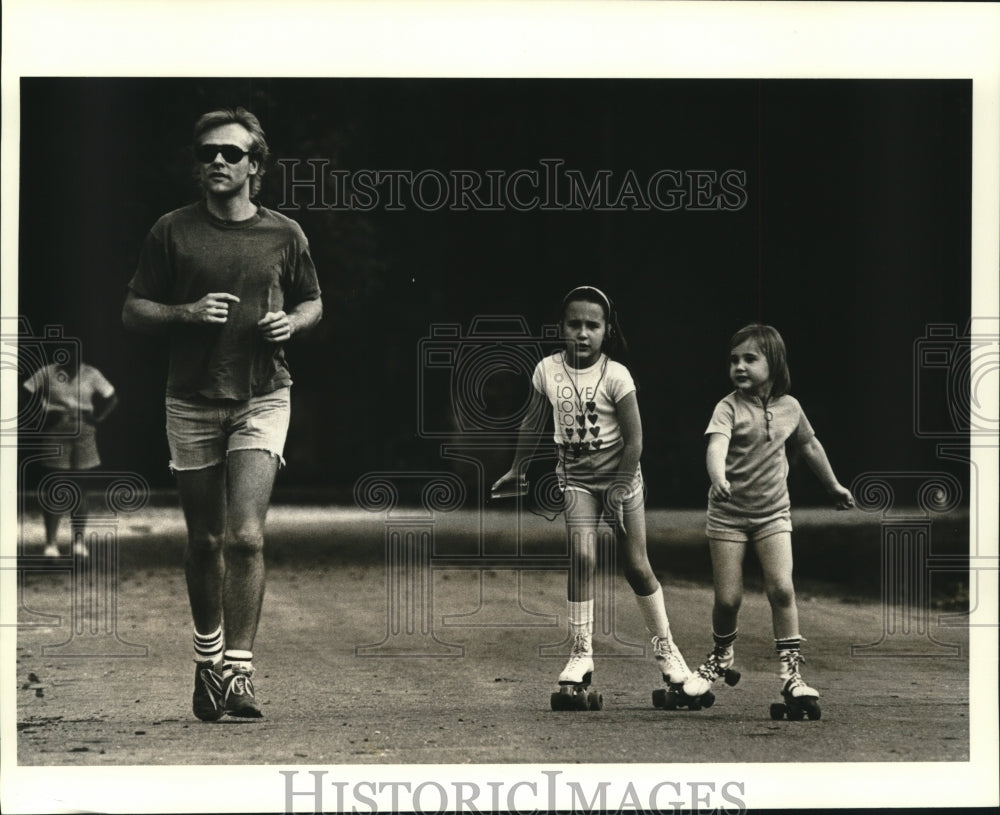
(584, 402)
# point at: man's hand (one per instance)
(275, 326)
(212, 309)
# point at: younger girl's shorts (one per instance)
(744, 530)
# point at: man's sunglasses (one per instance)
(231, 154)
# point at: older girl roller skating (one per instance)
(598, 435)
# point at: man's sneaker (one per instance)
(671, 662)
(207, 699)
(581, 661)
(80, 550)
(237, 695)
(51, 550)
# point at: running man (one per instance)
(228, 283)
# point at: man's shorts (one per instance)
(744, 531)
(202, 432)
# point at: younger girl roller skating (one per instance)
(748, 502)
(598, 435)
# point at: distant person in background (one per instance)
(75, 398)
(748, 502)
(228, 282)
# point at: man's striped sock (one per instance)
(208, 647)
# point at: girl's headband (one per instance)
(597, 291)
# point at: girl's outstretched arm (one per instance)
(815, 455)
(715, 463)
(532, 426)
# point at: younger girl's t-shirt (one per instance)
(756, 464)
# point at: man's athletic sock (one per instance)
(208, 647)
(233, 659)
(788, 644)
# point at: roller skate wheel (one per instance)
(777, 710)
(812, 710)
(595, 701)
(561, 700)
(732, 676)
(580, 701)
(659, 698)
(707, 699)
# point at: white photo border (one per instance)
(730, 40)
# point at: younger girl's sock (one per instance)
(725, 640)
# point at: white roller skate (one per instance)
(574, 682)
(717, 666)
(800, 700)
(675, 673)
(672, 665)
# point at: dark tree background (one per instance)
(854, 238)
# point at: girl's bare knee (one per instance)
(728, 603)
(781, 596)
(640, 577)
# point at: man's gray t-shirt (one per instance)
(263, 260)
